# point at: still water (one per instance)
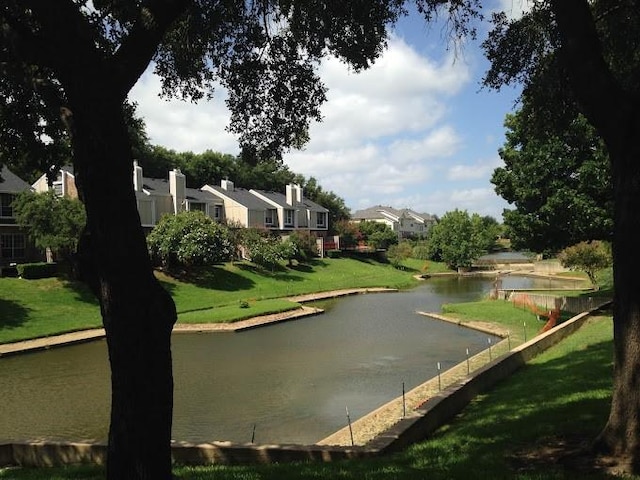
(288, 383)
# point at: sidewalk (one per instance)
(44, 343)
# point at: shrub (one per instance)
(189, 239)
(32, 271)
(334, 253)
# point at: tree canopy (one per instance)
(460, 238)
(559, 181)
(52, 222)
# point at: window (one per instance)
(6, 210)
(321, 219)
(217, 212)
(288, 217)
(58, 188)
(197, 207)
(12, 245)
(268, 218)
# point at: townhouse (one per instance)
(405, 222)
(15, 246)
(278, 212)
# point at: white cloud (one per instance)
(180, 125)
(515, 9)
(482, 169)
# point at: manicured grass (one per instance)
(521, 323)
(563, 394)
(37, 308)
(234, 312)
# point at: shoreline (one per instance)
(81, 336)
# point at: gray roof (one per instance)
(281, 200)
(159, 186)
(244, 198)
(194, 194)
(378, 211)
(11, 183)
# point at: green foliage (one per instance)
(267, 250)
(333, 253)
(396, 254)
(305, 244)
(348, 232)
(589, 257)
(421, 251)
(558, 178)
(36, 270)
(377, 235)
(53, 222)
(189, 239)
(459, 238)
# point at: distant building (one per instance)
(275, 211)
(406, 223)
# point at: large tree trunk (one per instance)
(621, 435)
(615, 112)
(138, 314)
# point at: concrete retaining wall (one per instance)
(418, 424)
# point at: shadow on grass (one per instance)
(80, 290)
(279, 273)
(12, 314)
(214, 278)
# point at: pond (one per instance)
(286, 383)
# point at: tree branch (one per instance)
(140, 45)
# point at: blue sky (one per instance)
(414, 131)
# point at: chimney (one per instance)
(293, 194)
(290, 194)
(177, 187)
(137, 176)
(227, 185)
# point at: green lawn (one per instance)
(37, 308)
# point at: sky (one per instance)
(416, 130)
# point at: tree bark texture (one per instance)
(138, 314)
(616, 114)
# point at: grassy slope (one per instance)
(36, 308)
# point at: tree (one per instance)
(594, 48)
(53, 223)
(399, 252)
(377, 234)
(557, 176)
(458, 239)
(81, 58)
(267, 250)
(588, 257)
(189, 239)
